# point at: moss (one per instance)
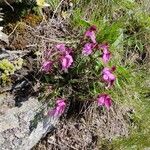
(32, 19)
(8, 68)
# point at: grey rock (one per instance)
(22, 127)
(4, 37)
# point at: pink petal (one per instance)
(111, 77)
(88, 33)
(46, 66)
(106, 53)
(87, 49)
(101, 100)
(104, 47)
(62, 104)
(61, 47)
(93, 37)
(106, 57)
(108, 102)
(60, 101)
(70, 60)
(59, 109)
(64, 62)
(91, 33)
(105, 70)
(105, 100)
(105, 77)
(108, 77)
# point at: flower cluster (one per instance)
(66, 60)
(107, 73)
(89, 47)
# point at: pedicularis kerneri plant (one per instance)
(79, 73)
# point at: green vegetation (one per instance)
(125, 25)
(8, 68)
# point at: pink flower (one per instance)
(106, 53)
(108, 77)
(87, 49)
(66, 61)
(91, 33)
(59, 109)
(61, 47)
(104, 100)
(47, 66)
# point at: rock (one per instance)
(22, 127)
(4, 37)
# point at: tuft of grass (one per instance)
(54, 4)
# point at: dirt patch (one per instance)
(94, 129)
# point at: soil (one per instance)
(93, 129)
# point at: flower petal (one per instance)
(91, 33)
(46, 66)
(66, 61)
(101, 100)
(59, 109)
(108, 102)
(87, 49)
(61, 47)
